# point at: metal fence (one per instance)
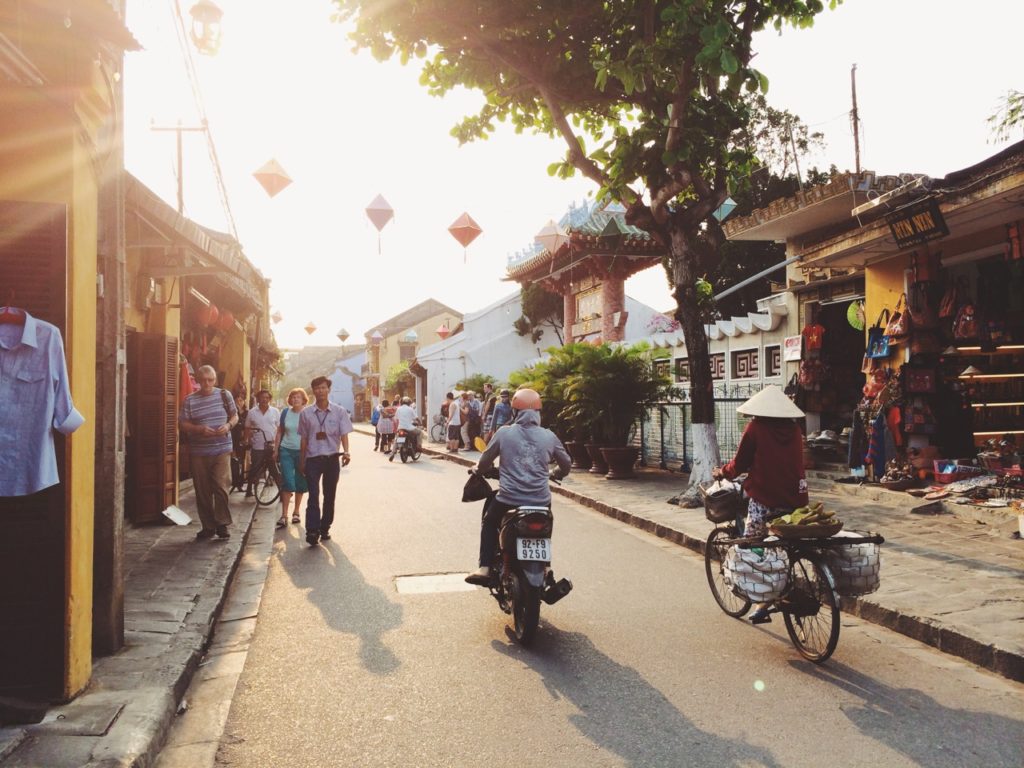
(666, 440)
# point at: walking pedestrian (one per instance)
(288, 443)
(454, 422)
(207, 418)
(323, 429)
(374, 418)
(386, 426)
(261, 425)
(502, 413)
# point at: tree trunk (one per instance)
(684, 251)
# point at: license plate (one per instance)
(534, 549)
(400, 440)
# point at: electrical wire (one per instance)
(193, 80)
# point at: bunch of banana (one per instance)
(811, 515)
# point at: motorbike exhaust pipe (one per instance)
(556, 591)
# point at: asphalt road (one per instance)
(637, 667)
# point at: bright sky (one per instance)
(286, 85)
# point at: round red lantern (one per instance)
(203, 315)
(214, 315)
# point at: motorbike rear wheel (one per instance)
(404, 452)
(525, 610)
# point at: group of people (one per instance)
(468, 417)
(388, 419)
(305, 440)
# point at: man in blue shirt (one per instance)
(207, 418)
(322, 428)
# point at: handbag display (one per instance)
(925, 343)
(965, 326)
(920, 306)
(956, 293)
(898, 327)
(878, 342)
(918, 381)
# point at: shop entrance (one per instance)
(842, 353)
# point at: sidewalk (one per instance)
(951, 582)
(174, 591)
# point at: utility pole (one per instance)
(796, 160)
(179, 129)
(855, 118)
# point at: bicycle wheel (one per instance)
(437, 433)
(266, 489)
(810, 609)
(714, 566)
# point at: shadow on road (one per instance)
(348, 603)
(621, 712)
(906, 720)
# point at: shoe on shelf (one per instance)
(205, 533)
(761, 616)
(222, 532)
(481, 576)
(312, 538)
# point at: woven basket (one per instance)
(812, 531)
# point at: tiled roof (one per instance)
(413, 316)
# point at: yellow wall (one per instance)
(234, 360)
(883, 284)
(390, 352)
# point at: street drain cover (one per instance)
(428, 583)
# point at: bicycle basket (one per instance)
(723, 500)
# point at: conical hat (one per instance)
(771, 402)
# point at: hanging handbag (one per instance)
(953, 298)
(965, 327)
(921, 308)
(878, 342)
(917, 381)
(476, 488)
(898, 327)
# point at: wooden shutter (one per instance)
(153, 424)
(33, 276)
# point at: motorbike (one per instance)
(406, 446)
(521, 574)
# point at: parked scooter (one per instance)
(521, 574)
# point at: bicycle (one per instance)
(266, 476)
(438, 429)
(809, 603)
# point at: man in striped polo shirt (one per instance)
(207, 417)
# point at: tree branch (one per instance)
(683, 86)
(584, 164)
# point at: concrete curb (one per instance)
(1009, 664)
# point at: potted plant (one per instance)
(610, 392)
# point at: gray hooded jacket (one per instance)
(526, 450)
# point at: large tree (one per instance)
(647, 94)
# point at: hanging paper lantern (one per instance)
(443, 331)
(309, 328)
(272, 177)
(552, 237)
(380, 213)
(343, 335)
(226, 321)
(465, 230)
(214, 316)
(203, 315)
(277, 317)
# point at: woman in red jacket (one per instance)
(771, 452)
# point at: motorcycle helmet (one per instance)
(407, 400)
(526, 400)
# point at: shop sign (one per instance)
(792, 348)
(917, 223)
(585, 328)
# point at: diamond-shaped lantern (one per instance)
(272, 177)
(380, 213)
(376, 338)
(723, 211)
(465, 230)
(343, 335)
(309, 327)
(411, 337)
(552, 237)
(443, 331)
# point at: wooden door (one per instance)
(153, 425)
(33, 276)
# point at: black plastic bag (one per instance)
(476, 488)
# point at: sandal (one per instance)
(295, 519)
(281, 522)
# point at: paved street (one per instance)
(636, 667)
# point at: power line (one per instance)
(197, 95)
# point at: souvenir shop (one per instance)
(944, 366)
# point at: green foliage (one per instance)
(475, 383)
(540, 308)
(399, 379)
(1008, 116)
(611, 389)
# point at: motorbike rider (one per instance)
(405, 415)
(526, 450)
